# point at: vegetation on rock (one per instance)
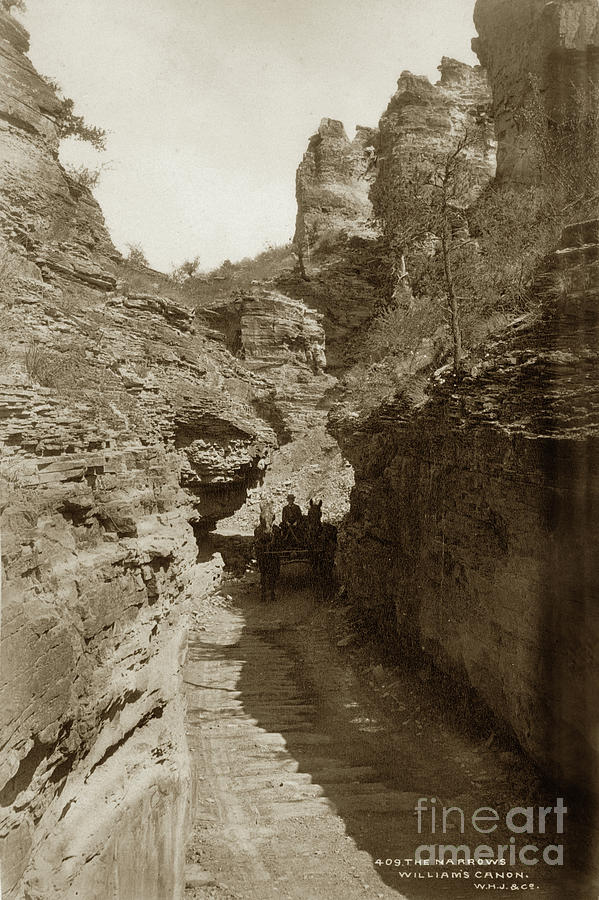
(188, 269)
(136, 255)
(71, 125)
(85, 176)
(462, 258)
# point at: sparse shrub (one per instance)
(515, 228)
(136, 255)
(37, 363)
(84, 176)
(400, 331)
(65, 371)
(188, 269)
(71, 125)
(269, 265)
(563, 151)
(330, 239)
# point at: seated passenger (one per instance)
(292, 522)
(292, 514)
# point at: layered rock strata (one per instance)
(99, 568)
(143, 428)
(473, 518)
(123, 425)
(98, 572)
(282, 342)
(332, 184)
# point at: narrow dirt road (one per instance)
(304, 784)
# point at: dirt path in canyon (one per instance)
(305, 777)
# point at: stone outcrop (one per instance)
(332, 184)
(344, 265)
(47, 215)
(344, 287)
(282, 341)
(124, 427)
(335, 237)
(472, 520)
(555, 42)
(422, 121)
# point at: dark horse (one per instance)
(314, 520)
(322, 540)
(266, 539)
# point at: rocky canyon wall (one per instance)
(557, 43)
(471, 526)
(49, 218)
(332, 185)
(472, 521)
(281, 341)
(124, 424)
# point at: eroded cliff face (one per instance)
(344, 262)
(45, 214)
(335, 237)
(124, 425)
(557, 43)
(422, 121)
(472, 521)
(281, 341)
(97, 577)
(332, 184)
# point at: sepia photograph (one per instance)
(299, 449)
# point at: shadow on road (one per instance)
(373, 766)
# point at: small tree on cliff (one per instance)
(136, 255)
(424, 217)
(452, 185)
(71, 125)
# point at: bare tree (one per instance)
(453, 182)
(423, 210)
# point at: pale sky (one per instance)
(210, 103)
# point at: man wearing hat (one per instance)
(291, 517)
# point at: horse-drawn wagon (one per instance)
(309, 541)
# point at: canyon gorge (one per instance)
(142, 423)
